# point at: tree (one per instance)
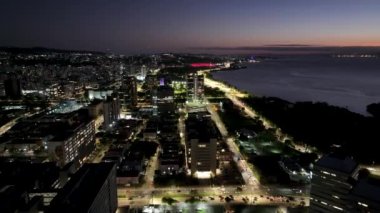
(289, 143)
(169, 200)
(363, 173)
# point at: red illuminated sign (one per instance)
(202, 65)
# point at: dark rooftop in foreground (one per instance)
(368, 188)
(338, 162)
(200, 126)
(79, 193)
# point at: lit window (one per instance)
(363, 204)
(202, 145)
(336, 207)
(324, 172)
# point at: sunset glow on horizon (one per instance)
(183, 26)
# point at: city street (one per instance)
(234, 95)
(181, 128)
(215, 195)
(252, 191)
(238, 158)
(149, 172)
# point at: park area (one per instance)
(260, 146)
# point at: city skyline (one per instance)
(189, 106)
(131, 27)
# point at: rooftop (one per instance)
(338, 162)
(200, 126)
(54, 127)
(79, 193)
(368, 188)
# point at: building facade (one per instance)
(331, 183)
(195, 87)
(73, 146)
(111, 110)
(129, 92)
(203, 156)
(63, 138)
(201, 144)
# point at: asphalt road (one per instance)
(239, 159)
(234, 95)
(215, 195)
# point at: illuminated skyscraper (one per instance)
(195, 87)
(111, 110)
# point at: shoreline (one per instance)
(288, 118)
(210, 76)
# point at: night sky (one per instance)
(141, 26)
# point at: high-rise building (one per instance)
(203, 155)
(202, 138)
(129, 91)
(331, 183)
(163, 98)
(12, 87)
(111, 110)
(151, 82)
(195, 87)
(143, 72)
(91, 189)
(76, 145)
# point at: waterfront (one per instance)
(347, 82)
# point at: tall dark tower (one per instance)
(12, 88)
(129, 88)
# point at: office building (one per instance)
(195, 87)
(64, 138)
(202, 139)
(170, 157)
(111, 110)
(129, 92)
(91, 189)
(203, 155)
(331, 183)
(151, 82)
(164, 100)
